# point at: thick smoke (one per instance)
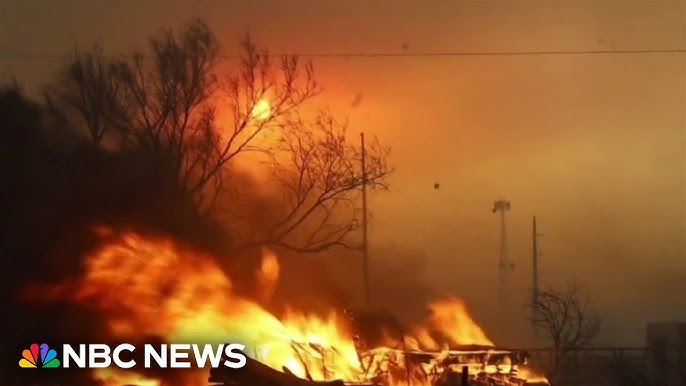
(57, 185)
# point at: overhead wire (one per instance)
(361, 55)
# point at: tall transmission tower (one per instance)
(504, 264)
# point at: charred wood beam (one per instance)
(465, 376)
(458, 356)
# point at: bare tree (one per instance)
(173, 101)
(320, 179)
(566, 319)
(91, 93)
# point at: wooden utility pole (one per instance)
(534, 276)
(365, 246)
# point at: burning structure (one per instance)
(394, 367)
(152, 287)
(474, 365)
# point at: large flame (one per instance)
(152, 287)
(450, 319)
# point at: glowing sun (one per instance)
(262, 110)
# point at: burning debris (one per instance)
(152, 287)
(467, 366)
(386, 367)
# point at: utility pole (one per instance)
(365, 246)
(534, 288)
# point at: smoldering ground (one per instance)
(57, 186)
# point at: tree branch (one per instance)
(566, 319)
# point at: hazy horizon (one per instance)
(594, 146)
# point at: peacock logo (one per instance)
(39, 356)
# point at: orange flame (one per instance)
(148, 286)
(268, 274)
(450, 319)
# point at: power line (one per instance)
(351, 55)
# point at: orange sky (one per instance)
(595, 146)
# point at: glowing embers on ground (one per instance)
(153, 287)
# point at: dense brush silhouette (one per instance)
(55, 186)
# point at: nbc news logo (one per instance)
(165, 356)
(39, 356)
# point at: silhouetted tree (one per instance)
(566, 319)
(173, 102)
(55, 186)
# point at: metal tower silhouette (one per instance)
(504, 264)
